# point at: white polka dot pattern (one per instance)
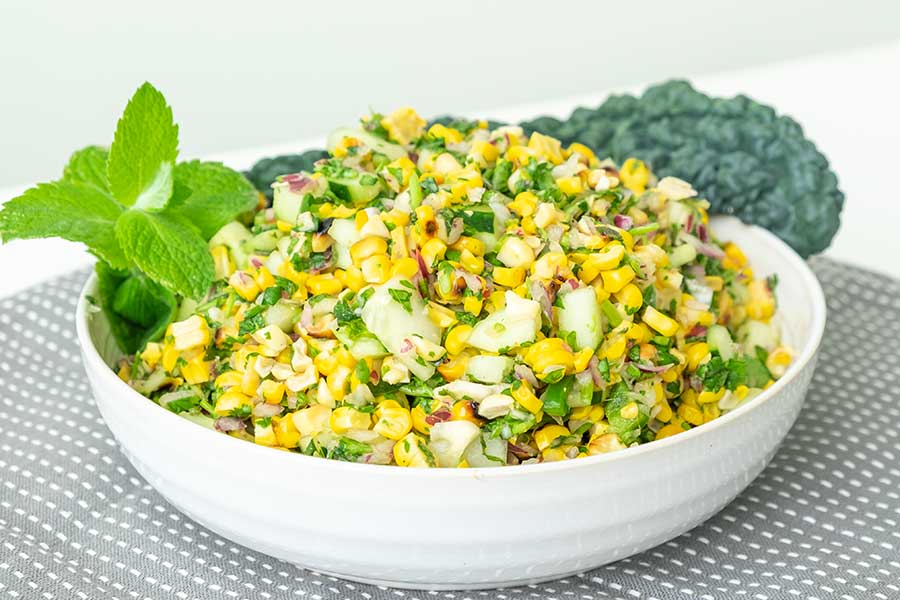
(77, 521)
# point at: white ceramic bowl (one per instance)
(465, 528)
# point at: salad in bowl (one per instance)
(460, 296)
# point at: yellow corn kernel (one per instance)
(544, 436)
(222, 262)
(570, 185)
(440, 315)
(634, 175)
(508, 276)
(741, 391)
(376, 269)
(524, 205)
(473, 245)
(778, 361)
(707, 397)
(696, 353)
(714, 282)
(583, 150)
(396, 217)
(464, 410)
(550, 265)
(285, 432)
(312, 419)
(361, 218)
(151, 354)
(283, 226)
(264, 433)
(323, 284)
(616, 279)
(615, 348)
(735, 254)
(545, 215)
(546, 147)
(631, 297)
(660, 322)
(484, 150)
(404, 125)
(515, 252)
(669, 430)
(691, 414)
(352, 278)
(196, 370)
(347, 142)
(169, 357)
(473, 304)
(193, 332)
(287, 270)
(244, 284)
(638, 332)
(250, 378)
(392, 422)
(524, 395)
(761, 301)
(264, 278)
(471, 263)
(412, 451)
(448, 134)
(419, 422)
(426, 225)
(457, 338)
(608, 258)
(432, 251)
(345, 418)
(272, 391)
(454, 368)
(367, 247)
(711, 412)
(405, 267)
(581, 359)
(230, 401)
(399, 248)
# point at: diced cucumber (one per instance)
(366, 346)
(450, 439)
(581, 393)
(679, 212)
(392, 324)
(485, 451)
(581, 313)
(756, 333)
(682, 255)
(719, 339)
(352, 190)
(516, 324)
(264, 241)
(235, 237)
(345, 234)
(489, 369)
(289, 205)
(187, 308)
(284, 314)
(391, 150)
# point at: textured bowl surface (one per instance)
(465, 528)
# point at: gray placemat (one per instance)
(77, 521)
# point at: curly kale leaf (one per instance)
(265, 171)
(739, 154)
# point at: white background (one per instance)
(276, 77)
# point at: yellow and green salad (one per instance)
(459, 296)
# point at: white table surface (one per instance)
(846, 102)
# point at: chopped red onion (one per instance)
(306, 316)
(525, 373)
(623, 221)
(697, 331)
(651, 368)
(226, 424)
(438, 416)
(264, 409)
(472, 281)
(594, 370)
(709, 250)
(456, 230)
(540, 295)
(703, 233)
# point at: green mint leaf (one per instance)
(88, 165)
(168, 249)
(137, 309)
(209, 195)
(143, 151)
(77, 212)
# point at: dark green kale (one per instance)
(739, 154)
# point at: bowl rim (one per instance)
(95, 363)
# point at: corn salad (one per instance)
(455, 296)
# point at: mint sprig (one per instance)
(146, 217)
